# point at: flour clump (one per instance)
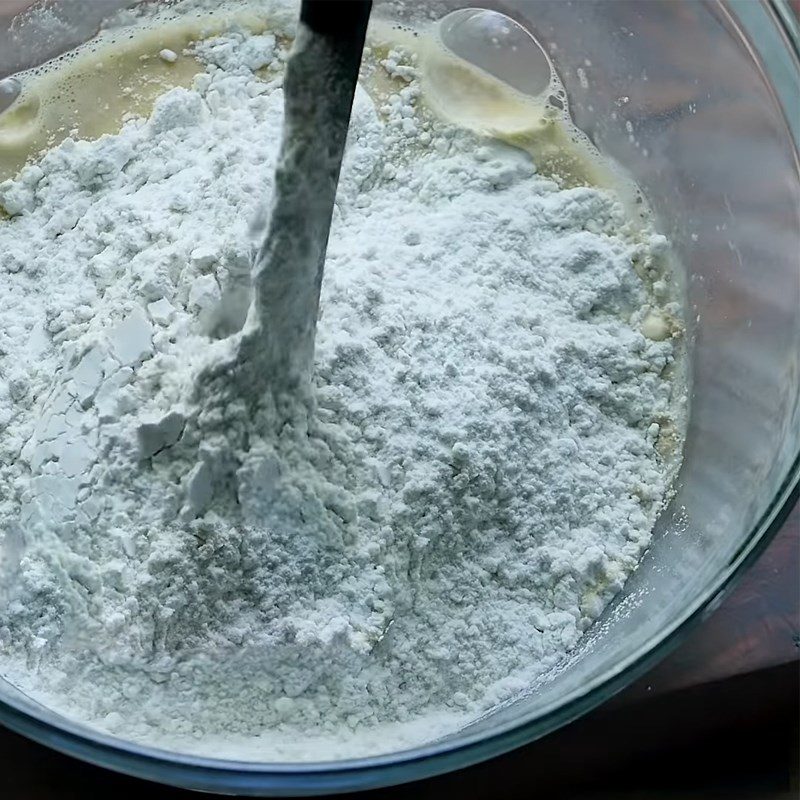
(474, 475)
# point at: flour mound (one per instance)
(473, 479)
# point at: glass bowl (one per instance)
(700, 101)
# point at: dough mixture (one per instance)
(491, 434)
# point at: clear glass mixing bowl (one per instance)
(701, 103)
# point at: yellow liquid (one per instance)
(119, 74)
(465, 95)
(93, 90)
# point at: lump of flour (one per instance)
(477, 474)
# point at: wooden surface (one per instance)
(717, 718)
(758, 625)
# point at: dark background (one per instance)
(717, 719)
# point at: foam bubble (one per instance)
(534, 116)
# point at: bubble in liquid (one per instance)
(500, 46)
(10, 89)
(486, 72)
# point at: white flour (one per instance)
(474, 481)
